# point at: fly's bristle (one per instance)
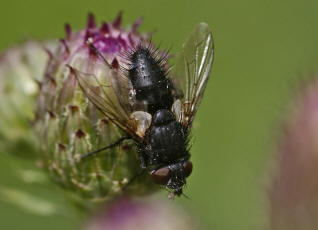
(160, 57)
(125, 56)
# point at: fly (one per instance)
(154, 108)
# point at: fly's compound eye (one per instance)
(161, 176)
(187, 165)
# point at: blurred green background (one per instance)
(263, 48)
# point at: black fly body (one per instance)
(147, 70)
(155, 108)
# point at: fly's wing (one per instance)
(191, 72)
(109, 92)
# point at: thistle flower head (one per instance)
(69, 125)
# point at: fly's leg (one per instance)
(116, 143)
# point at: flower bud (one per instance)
(69, 125)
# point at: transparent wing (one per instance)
(109, 92)
(192, 69)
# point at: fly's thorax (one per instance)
(166, 132)
(166, 140)
(163, 117)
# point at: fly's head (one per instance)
(173, 176)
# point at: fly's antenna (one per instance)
(91, 45)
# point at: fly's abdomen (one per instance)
(148, 77)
